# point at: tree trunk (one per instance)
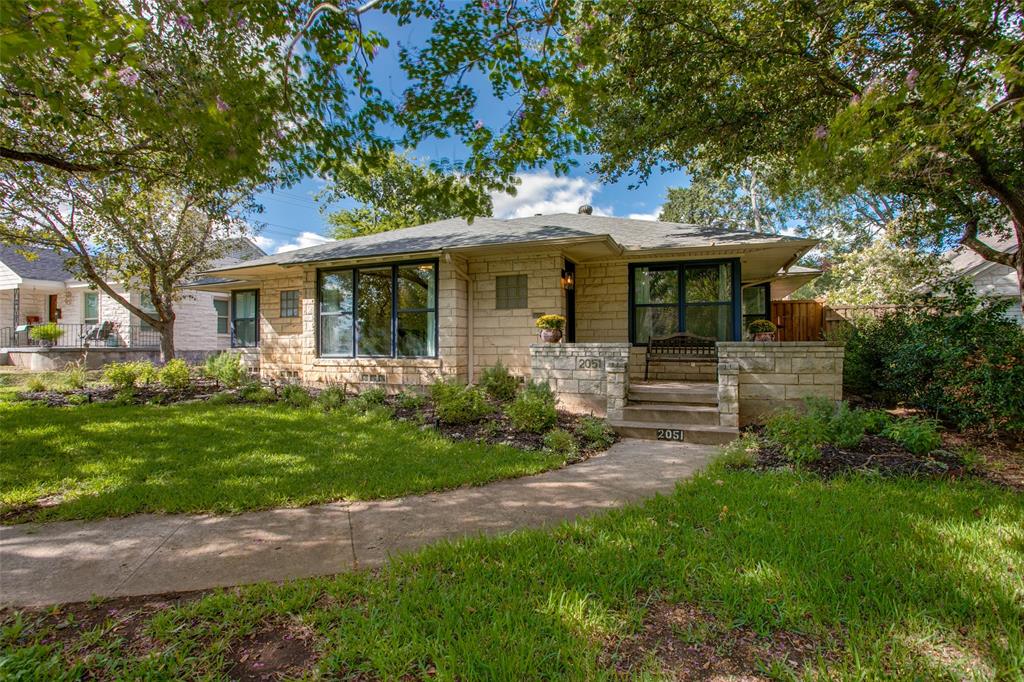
(167, 342)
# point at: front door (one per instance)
(54, 313)
(570, 302)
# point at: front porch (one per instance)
(745, 382)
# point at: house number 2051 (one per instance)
(590, 363)
(670, 434)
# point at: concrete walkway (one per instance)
(70, 561)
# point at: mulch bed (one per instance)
(198, 389)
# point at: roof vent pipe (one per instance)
(586, 209)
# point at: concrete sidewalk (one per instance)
(152, 553)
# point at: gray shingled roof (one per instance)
(47, 265)
(457, 233)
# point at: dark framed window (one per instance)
(220, 305)
(378, 311)
(245, 307)
(511, 292)
(756, 304)
(698, 297)
(290, 303)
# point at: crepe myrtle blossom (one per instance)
(911, 79)
(183, 22)
(128, 76)
(375, 51)
(221, 104)
(544, 92)
(820, 133)
(478, 125)
(855, 100)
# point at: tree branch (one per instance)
(48, 160)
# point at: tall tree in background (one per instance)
(732, 200)
(396, 192)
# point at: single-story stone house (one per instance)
(448, 299)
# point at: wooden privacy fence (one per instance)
(815, 321)
(798, 320)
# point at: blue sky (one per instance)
(292, 217)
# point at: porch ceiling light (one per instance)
(568, 280)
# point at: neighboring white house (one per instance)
(990, 279)
(39, 289)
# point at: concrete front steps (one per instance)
(674, 411)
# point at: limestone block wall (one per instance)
(578, 372)
(507, 334)
(756, 378)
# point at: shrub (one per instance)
(499, 383)
(595, 433)
(223, 398)
(762, 327)
(125, 376)
(800, 435)
(75, 376)
(457, 404)
(920, 436)
(374, 396)
(294, 395)
(227, 369)
(560, 442)
(875, 421)
(408, 400)
(174, 375)
(741, 453)
(331, 398)
(958, 356)
(48, 332)
(970, 458)
(257, 393)
(533, 409)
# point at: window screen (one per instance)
(511, 292)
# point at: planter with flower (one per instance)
(762, 330)
(550, 327)
(46, 334)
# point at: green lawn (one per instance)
(890, 578)
(110, 461)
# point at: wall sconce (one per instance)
(568, 280)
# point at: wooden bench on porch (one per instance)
(680, 347)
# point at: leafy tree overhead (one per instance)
(918, 99)
(396, 192)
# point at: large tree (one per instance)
(918, 99)
(737, 199)
(394, 192)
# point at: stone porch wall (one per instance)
(578, 372)
(757, 378)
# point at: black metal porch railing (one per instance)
(84, 336)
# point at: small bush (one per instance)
(499, 383)
(227, 369)
(970, 458)
(741, 453)
(374, 396)
(48, 332)
(331, 398)
(533, 409)
(875, 421)
(123, 398)
(408, 400)
(127, 375)
(78, 399)
(920, 436)
(561, 442)
(75, 376)
(257, 393)
(799, 435)
(846, 427)
(294, 395)
(458, 404)
(174, 375)
(595, 433)
(36, 385)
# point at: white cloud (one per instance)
(303, 240)
(263, 242)
(653, 215)
(545, 193)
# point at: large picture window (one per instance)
(378, 311)
(244, 318)
(698, 298)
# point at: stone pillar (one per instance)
(728, 394)
(618, 387)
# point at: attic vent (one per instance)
(586, 209)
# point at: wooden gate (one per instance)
(798, 320)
